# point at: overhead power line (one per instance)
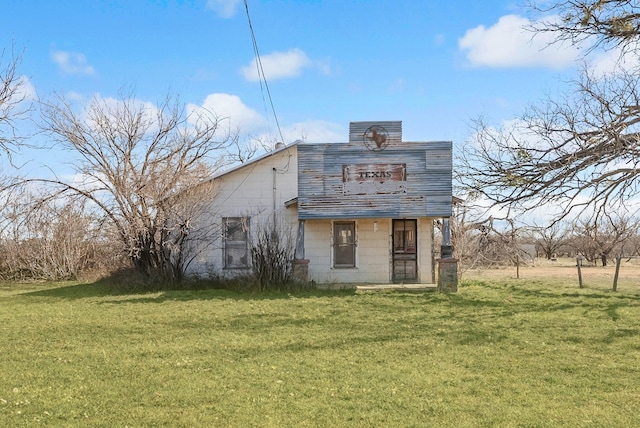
(261, 76)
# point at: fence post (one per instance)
(615, 277)
(578, 264)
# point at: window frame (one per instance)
(335, 244)
(241, 245)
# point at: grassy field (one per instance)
(500, 352)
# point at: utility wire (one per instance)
(261, 76)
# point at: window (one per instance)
(404, 236)
(236, 242)
(405, 260)
(344, 244)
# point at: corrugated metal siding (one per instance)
(358, 129)
(321, 188)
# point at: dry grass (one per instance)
(565, 272)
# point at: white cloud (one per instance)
(223, 8)
(230, 109)
(612, 61)
(508, 44)
(315, 131)
(116, 108)
(308, 131)
(83, 181)
(26, 91)
(235, 115)
(72, 62)
(278, 65)
(75, 96)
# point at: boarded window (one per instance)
(344, 244)
(236, 242)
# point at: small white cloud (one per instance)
(72, 62)
(117, 108)
(83, 181)
(613, 61)
(26, 91)
(223, 8)
(315, 131)
(508, 44)
(308, 131)
(278, 65)
(75, 96)
(230, 109)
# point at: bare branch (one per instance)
(133, 159)
(600, 23)
(578, 153)
(13, 102)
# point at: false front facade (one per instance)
(356, 212)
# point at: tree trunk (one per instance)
(615, 277)
(578, 264)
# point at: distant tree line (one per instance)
(487, 242)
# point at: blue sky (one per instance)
(434, 65)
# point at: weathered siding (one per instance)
(427, 190)
(249, 191)
(357, 131)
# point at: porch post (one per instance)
(299, 254)
(446, 250)
(447, 265)
(300, 264)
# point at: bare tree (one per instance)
(465, 237)
(598, 23)
(481, 241)
(133, 159)
(599, 239)
(13, 95)
(581, 240)
(55, 240)
(580, 153)
(632, 245)
(14, 107)
(550, 239)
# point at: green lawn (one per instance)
(497, 353)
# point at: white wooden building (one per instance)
(359, 212)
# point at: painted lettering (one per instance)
(381, 173)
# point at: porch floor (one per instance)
(362, 286)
